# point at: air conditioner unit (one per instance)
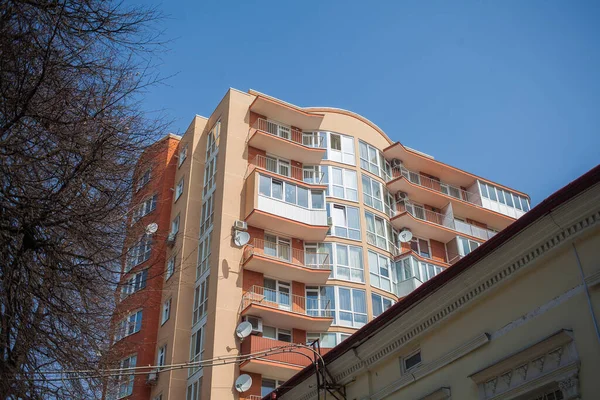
(152, 377)
(400, 196)
(240, 225)
(257, 324)
(171, 238)
(396, 163)
(330, 221)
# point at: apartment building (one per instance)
(342, 223)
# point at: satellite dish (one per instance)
(151, 228)
(405, 236)
(243, 383)
(243, 330)
(241, 238)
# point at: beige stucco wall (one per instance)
(532, 294)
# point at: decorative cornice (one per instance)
(440, 394)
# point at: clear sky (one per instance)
(509, 90)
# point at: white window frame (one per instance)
(161, 355)
(144, 208)
(129, 325)
(210, 172)
(378, 263)
(208, 213)
(200, 300)
(179, 188)
(134, 284)
(277, 331)
(193, 390)
(197, 340)
(471, 244)
(138, 253)
(182, 155)
(384, 242)
(355, 314)
(346, 154)
(343, 225)
(125, 380)
(175, 224)
(277, 244)
(381, 301)
(144, 179)
(284, 184)
(355, 274)
(203, 255)
(406, 357)
(278, 165)
(170, 268)
(417, 240)
(312, 174)
(166, 312)
(324, 343)
(348, 186)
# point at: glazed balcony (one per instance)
(285, 171)
(286, 310)
(286, 141)
(433, 225)
(422, 189)
(413, 272)
(291, 208)
(281, 366)
(283, 262)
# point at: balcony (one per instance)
(427, 224)
(286, 263)
(285, 170)
(422, 189)
(278, 210)
(286, 142)
(286, 310)
(404, 288)
(281, 366)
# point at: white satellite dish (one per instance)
(243, 383)
(151, 228)
(243, 330)
(241, 238)
(405, 236)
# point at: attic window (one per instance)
(411, 361)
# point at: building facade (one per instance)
(516, 319)
(324, 196)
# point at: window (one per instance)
(327, 339)
(320, 301)
(311, 139)
(203, 256)
(340, 148)
(465, 246)
(420, 246)
(138, 253)
(291, 193)
(179, 189)
(182, 155)
(275, 128)
(166, 311)
(194, 390)
(352, 307)
(144, 209)
(175, 225)
(348, 263)
(212, 140)
(278, 165)
(135, 283)
(372, 193)
(372, 160)
(158, 397)
(380, 304)
(124, 381)
(345, 221)
(312, 174)
(278, 292)
(381, 271)
(170, 268)
(278, 247)
(343, 183)
(268, 385)
(143, 179)
(207, 215)
(197, 347)
(210, 172)
(411, 361)
(128, 326)
(283, 335)
(410, 267)
(200, 301)
(162, 356)
(504, 197)
(379, 232)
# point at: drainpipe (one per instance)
(587, 293)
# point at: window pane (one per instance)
(342, 254)
(353, 218)
(336, 174)
(302, 197)
(278, 189)
(335, 141)
(290, 193)
(377, 308)
(317, 199)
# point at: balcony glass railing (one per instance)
(286, 301)
(288, 133)
(436, 185)
(447, 221)
(287, 254)
(284, 169)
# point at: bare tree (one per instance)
(71, 128)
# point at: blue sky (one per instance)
(509, 90)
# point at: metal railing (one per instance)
(445, 220)
(438, 186)
(287, 254)
(288, 133)
(286, 170)
(286, 301)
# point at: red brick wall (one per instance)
(253, 152)
(298, 298)
(253, 117)
(298, 336)
(255, 388)
(438, 250)
(251, 278)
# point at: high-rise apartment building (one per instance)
(343, 222)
